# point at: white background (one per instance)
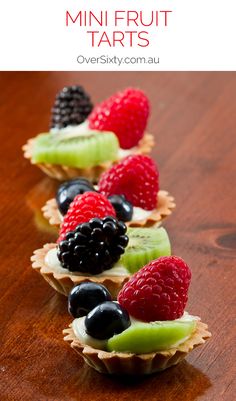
(201, 35)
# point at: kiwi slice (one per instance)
(145, 244)
(141, 338)
(81, 151)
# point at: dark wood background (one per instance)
(194, 122)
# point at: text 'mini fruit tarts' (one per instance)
(146, 331)
(84, 141)
(132, 186)
(93, 245)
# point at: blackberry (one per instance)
(94, 246)
(72, 106)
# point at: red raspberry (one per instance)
(159, 291)
(125, 113)
(83, 208)
(136, 177)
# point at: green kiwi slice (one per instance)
(82, 151)
(141, 338)
(145, 244)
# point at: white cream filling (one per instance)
(53, 262)
(80, 332)
(140, 213)
(126, 152)
(78, 327)
(73, 131)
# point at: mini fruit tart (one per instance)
(124, 186)
(82, 142)
(146, 331)
(98, 249)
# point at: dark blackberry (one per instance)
(72, 106)
(94, 246)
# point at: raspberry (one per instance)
(159, 291)
(82, 209)
(72, 106)
(125, 113)
(136, 177)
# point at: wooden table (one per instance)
(194, 122)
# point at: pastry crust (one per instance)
(64, 282)
(165, 206)
(63, 173)
(142, 364)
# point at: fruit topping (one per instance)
(142, 338)
(86, 296)
(145, 244)
(125, 113)
(82, 151)
(94, 246)
(159, 291)
(83, 208)
(123, 208)
(72, 106)
(106, 319)
(69, 189)
(136, 177)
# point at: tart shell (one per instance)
(165, 206)
(63, 283)
(136, 364)
(63, 173)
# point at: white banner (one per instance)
(123, 35)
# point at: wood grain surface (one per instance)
(194, 122)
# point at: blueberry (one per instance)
(85, 296)
(69, 189)
(105, 320)
(123, 208)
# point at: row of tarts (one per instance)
(126, 292)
